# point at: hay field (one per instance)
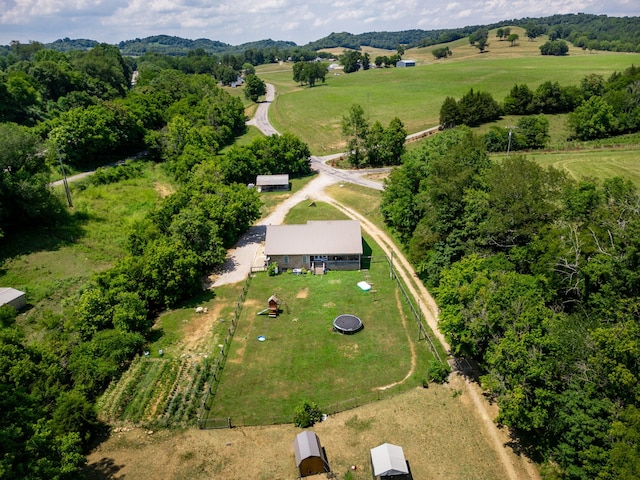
(415, 95)
(440, 433)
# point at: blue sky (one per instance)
(240, 21)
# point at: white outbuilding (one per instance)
(405, 63)
(388, 463)
(13, 297)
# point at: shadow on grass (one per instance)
(63, 229)
(156, 334)
(198, 299)
(365, 262)
(105, 469)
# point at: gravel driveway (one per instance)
(249, 251)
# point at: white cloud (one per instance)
(239, 21)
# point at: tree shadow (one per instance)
(105, 469)
(197, 299)
(525, 446)
(65, 229)
(467, 368)
(365, 260)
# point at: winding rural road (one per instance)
(249, 252)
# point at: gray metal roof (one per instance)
(8, 294)
(320, 237)
(307, 444)
(264, 180)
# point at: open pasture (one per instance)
(596, 163)
(415, 95)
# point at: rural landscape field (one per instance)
(157, 368)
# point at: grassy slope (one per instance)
(51, 267)
(416, 94)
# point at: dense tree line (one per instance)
(309, 72)
(593, 32)
(536, 278)
(597, 108)
(50, 381)
(596, 32)
(554, 47)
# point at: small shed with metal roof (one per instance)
(13, 297)
(269, 183)
(388, 463)
(311, 458)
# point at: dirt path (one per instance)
(499, 438)
(412, 346)
(246, 254)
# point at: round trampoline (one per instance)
(347, 324)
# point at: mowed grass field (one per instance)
(597, 163)
(303, 358)
(415, 95)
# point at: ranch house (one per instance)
(269, 183)
(316, 245)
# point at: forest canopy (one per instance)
(536, 277)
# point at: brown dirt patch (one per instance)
(163, 189)
(378, 177)
(441, 437)
(303, 293)
(198, 332)
(239, 340)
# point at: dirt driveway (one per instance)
(497, 460)
(447, 432)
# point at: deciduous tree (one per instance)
(356, 128)
(254, 87)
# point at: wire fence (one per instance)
(243, 420)
(423, 332)
(216, 372)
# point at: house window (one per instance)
(304, 259)
(286, 260)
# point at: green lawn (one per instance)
(302, 358)
(415, 95)
(271, 199)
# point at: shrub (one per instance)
(272, 269)
(438, 371)
(7, 316)
(306, 414)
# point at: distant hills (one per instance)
(598, 32)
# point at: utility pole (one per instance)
(64, 180)
(510, 134)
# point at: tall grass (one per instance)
(59, 261)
